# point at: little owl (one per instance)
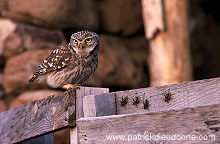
(70, 64)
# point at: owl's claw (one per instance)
(70, 87)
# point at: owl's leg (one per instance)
(70, 86)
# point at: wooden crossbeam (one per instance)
(44, 116)
(62, 110)
(193, 93)
(202, 122)
(37, 118)
(182, 96)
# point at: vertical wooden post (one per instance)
(99, 105)
(80, 93)
(166, 25)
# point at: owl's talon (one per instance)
(70, 87)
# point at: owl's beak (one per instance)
(81, 46)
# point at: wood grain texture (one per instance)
(194, 121)
(37, 118)
(153, 17)
(169, 59)
(99, 105)
(80, 93)
(86, 91)
(186, 94)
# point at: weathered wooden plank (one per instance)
(85, 91)
(80, 93)
(99, 105)
(189, 123)
(37, 118)
(183, 95)
(43, 116)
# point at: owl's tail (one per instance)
(32, 79)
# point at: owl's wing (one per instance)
(58, 59)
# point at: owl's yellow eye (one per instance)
(88, 40)
(75, 41)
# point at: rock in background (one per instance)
(31, 29)
(23, 47)
(53, 13)
(122, 63)
(2, 106)
(30, 96)
(121, 16)
(19, 69)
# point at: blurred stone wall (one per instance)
(31, 29)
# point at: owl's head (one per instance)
(84, 42)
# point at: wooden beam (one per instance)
(186, 94)
(37, 118)
(153, 17)
(194, 122)
(80, 93)
(86, 91)
(58, 111)
(167, 29)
